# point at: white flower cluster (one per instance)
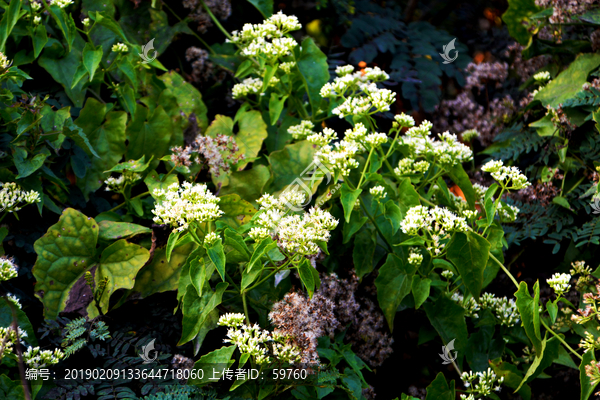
(403, 121)
(415, 258)
(120, 48)
(433, 224)
(268, 38)
(323, 138)
(470, 305)
(255, 341)
(468, 135)
(211, 238)
(248, 86)
(8, 269)
(504, 309)
(180, 206)
(302, 130)
(408, 166)
(447, 151)
(542, 77)
(589, 342)
(294, 233)
(13, 299)
(12, 197)
(36, 358)
(118, 184)
(507, 212)
(287, 66)
(86, 23)
(447, 274)
(560, 283)
(480, 191)
(8, 337)
(359, 91)
(509, 177)
(4, 62)
(487, 381)
(61, 3)
(378, 192)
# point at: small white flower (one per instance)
(62, 3)
(542, 77)
(120, 48)
(4, 62)
(509, 177)
(344, 70)
(560, 283)
(404, 121)
(210, 238)
(86, 23)
(12, 197)
(447, 274)
(376, 139)
(302, 130)
(8, 269)
(378, 192)
(469, 135)
(36, 358)
(415, 258)
(248, 86)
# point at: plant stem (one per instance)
(122, 204)
(217, 23)
(505, 270)
(365, 168)
(244, 298)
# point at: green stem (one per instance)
(122, 204)
(217, 23)
(270, 275)
(504, 269)
(362, 176)
(244, 298)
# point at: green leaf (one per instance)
(516, 19)
(217, 256)
(561, 201)
(288, 166)
(264, 6)
(248, 184)
(172, 243)
(393, 214)
(220, 357)
(312, 64)
(512, 376)
(544, 126)
(393, 285)
(40, 38)
(552, 308)
(460, 177)
(356, 222)
(254, 264)
(161, 275)
(110, 230)
(65, 252)
(12, 390)
(6, 319)
(235, 240)
(105, 20)
(420, 289)
(348, 198)
(91, 58)
(27, 166)
(587, 388)
(364, 251)
(448, 319)
(188, 98)
(155, 181)
(568, 83)
(120, 263)
(564, 358)
(530, 315)
(469, 253)
(307, 276)
(198, 309)
(106, 134)
(244, 69)
(237, 211)
(440, 390)
(8, 22)
(65, 23)
(276, 104)
(149, 133)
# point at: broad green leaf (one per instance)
(198, 309)
(312, 64)
(120, 230)
(544, 126)
(440, 390)
(237, 211)
(291, 166)
(215, 359)
(161, 275)
(393, 285)
(587, 388)
(40, 38)
(65, 252)
(235, 240)
(8, 22)
(348, 198)
(248, 184)
(63, 71)
(106, 135)
(530, 314)
(407, 195)
(568, 82)
(120, 263)
(512, 376)
(12, 390)
(309, 276)
(469, 252)
(91, 58)
(460, 177)
(552, 308)
(254, 266)
(6, 319)
(448, 319)
(516, 19)
(217, 256)
(149, 134)
(264, 6)
(27, 165)
(188, 97)
(154, 181)
(420, 289)
(132, 165)
(276, 104)
(104, 19)
(350, 228)
(66, 24)
(200, 273)
(365, 242)
(565, 358)
(393, 214)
